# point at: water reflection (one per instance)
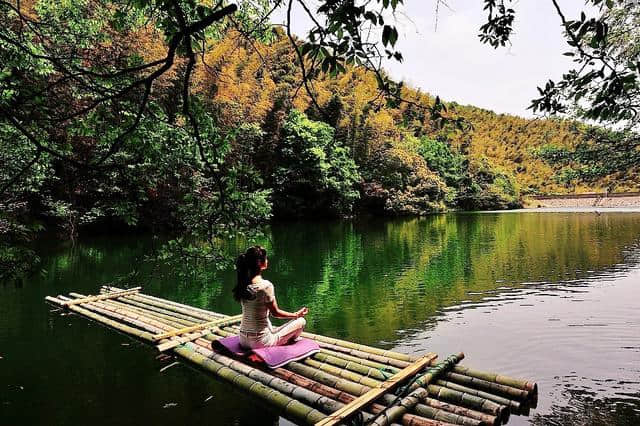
(540, 295)
(367, 280)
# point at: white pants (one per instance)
(275, 337)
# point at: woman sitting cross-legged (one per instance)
(258, 301)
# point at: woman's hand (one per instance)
(302, 312)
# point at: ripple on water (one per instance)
(592, 333)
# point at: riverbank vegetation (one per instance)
(201, 121)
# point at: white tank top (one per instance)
(255, 313)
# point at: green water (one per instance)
(550, 296)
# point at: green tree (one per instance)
(443, 160)
(316, 175)
(599, 153)
(487, 188)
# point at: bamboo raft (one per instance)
(344, 383)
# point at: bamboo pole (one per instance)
(101, 297)
(175, 322)
(468, 400)
(265, 378)
(166, 319)
(352, 366)
(386, 369)
(176, 304)
(445, 416)
(198, 327)
(156, 304)
(141, 320)
(352, 387)
(343, 373)
(485, 418)
(527, 385)
(395, 411)
(436, 371)
(200, 314)
(173, 308)
(496, 388)
(328, 379)
(414, 420)
(310, 397)
(366, 367)
(153, 314)
(514, 406)
(392, 413)
(395, 363)
(401, 360)
(111, 313)
(335, 394)
(143, 335)
(158, 310)
(364, 348)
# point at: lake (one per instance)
(550, 296)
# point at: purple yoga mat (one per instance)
(272, 356)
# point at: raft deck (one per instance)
(345, 382)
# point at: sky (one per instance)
(451, 62)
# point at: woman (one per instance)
(258, 301)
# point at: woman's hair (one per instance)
(247, 267)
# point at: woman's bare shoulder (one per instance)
(262, 284)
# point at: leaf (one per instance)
(371, 17)
(386, 34)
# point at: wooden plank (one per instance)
(196, 327)
(102, 297)
(375, 393)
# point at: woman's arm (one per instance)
(279, 313)
(272, 305)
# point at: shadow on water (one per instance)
(418, 282)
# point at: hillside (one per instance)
(262, 82)
(268, 151)
(511, 142)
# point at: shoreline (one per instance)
(585, 201)
(569, 209)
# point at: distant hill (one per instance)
(511, 142)
(260, 83)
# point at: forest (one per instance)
(250, 144)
